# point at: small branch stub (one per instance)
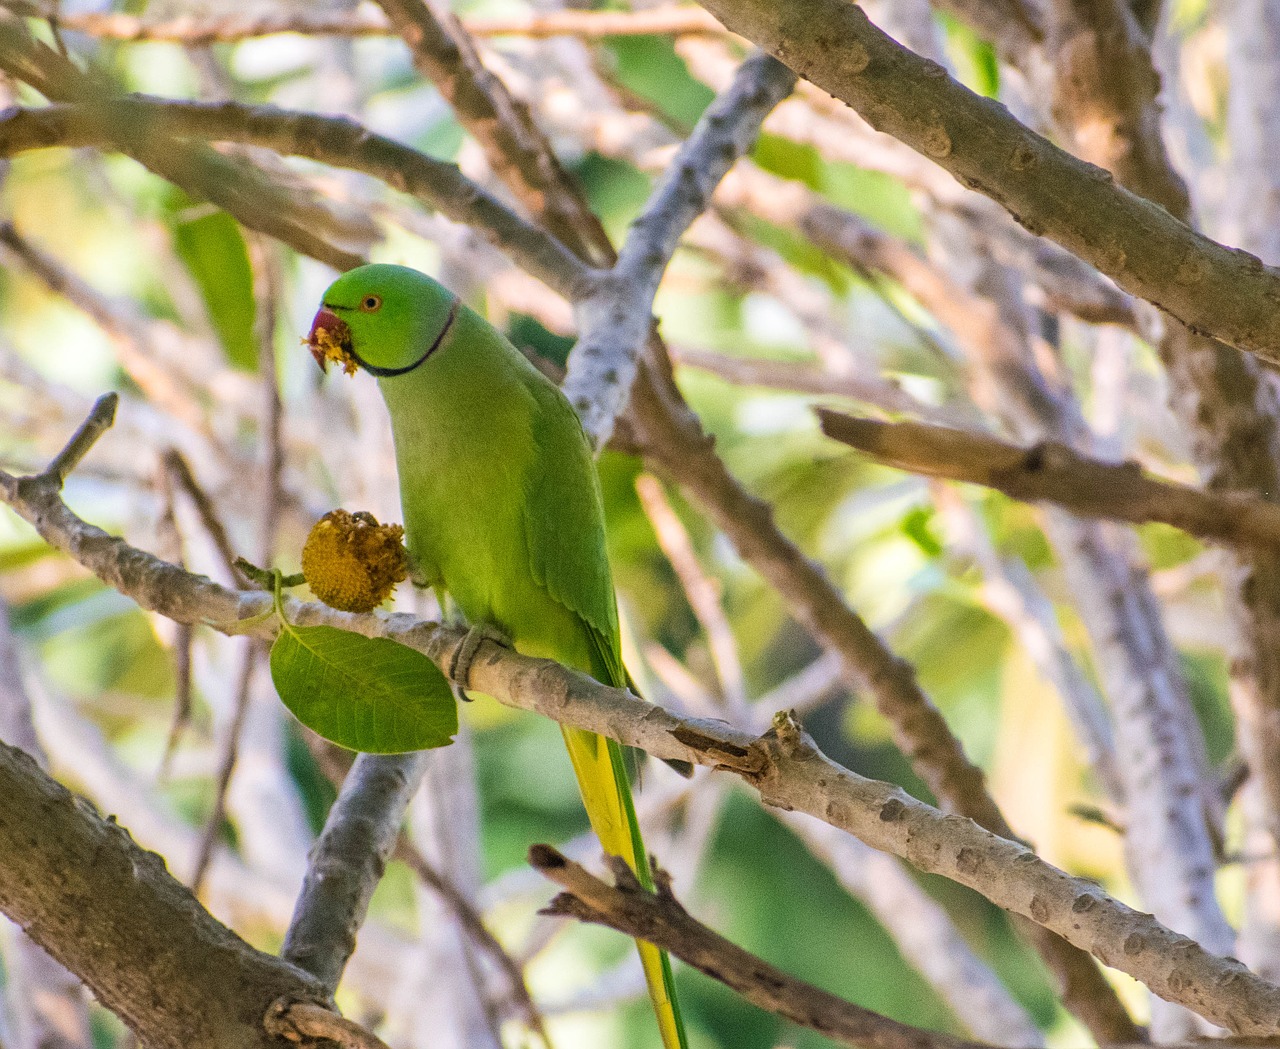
(308, 1022)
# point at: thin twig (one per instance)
(266, 290)
(702, 591)
(871, 390)
(471, 920)
(169, 540)
(86, 436)
(658, 918)
(180, 470)
(249, 659)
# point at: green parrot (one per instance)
(502, 511)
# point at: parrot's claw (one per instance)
(464, 655)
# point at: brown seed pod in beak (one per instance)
(330, 340)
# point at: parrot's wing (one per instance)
(564, 524)
(564, 527)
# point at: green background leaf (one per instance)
(363, 693)
(211, 244)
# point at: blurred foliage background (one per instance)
(114, 279)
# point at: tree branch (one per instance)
(1052, 472)
(1213, 289)
(337, 141)
(871, 390)
(113, 915)
(347, 862)
(195, 31)
(306, 1022)
(924, 932)
(615, 321)
(301, 220)
(658, 918)
(783, 766)
(1012, 593)
(515, 147)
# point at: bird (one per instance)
(502, 513)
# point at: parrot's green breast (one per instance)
(501, 504)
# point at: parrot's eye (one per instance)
(371, 303)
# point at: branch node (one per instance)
(623, 876)
(792, 739)
(277, 1023)
(301, 1021)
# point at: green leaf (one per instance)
(917, 524)
(211, 245)
(362, 693)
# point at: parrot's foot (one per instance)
(464, 655)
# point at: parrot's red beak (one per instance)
(330, 340)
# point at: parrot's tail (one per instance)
(606, 792)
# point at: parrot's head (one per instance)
(385, 319)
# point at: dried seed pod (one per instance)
(353, 563)
(330, 340)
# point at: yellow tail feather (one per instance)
(606, 794)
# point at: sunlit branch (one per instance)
(1052, 472)
(615, 321)
(519, 153)
(197, 31)
(1213, 289)
(256, 199)
(331, 140)
(783, 765)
